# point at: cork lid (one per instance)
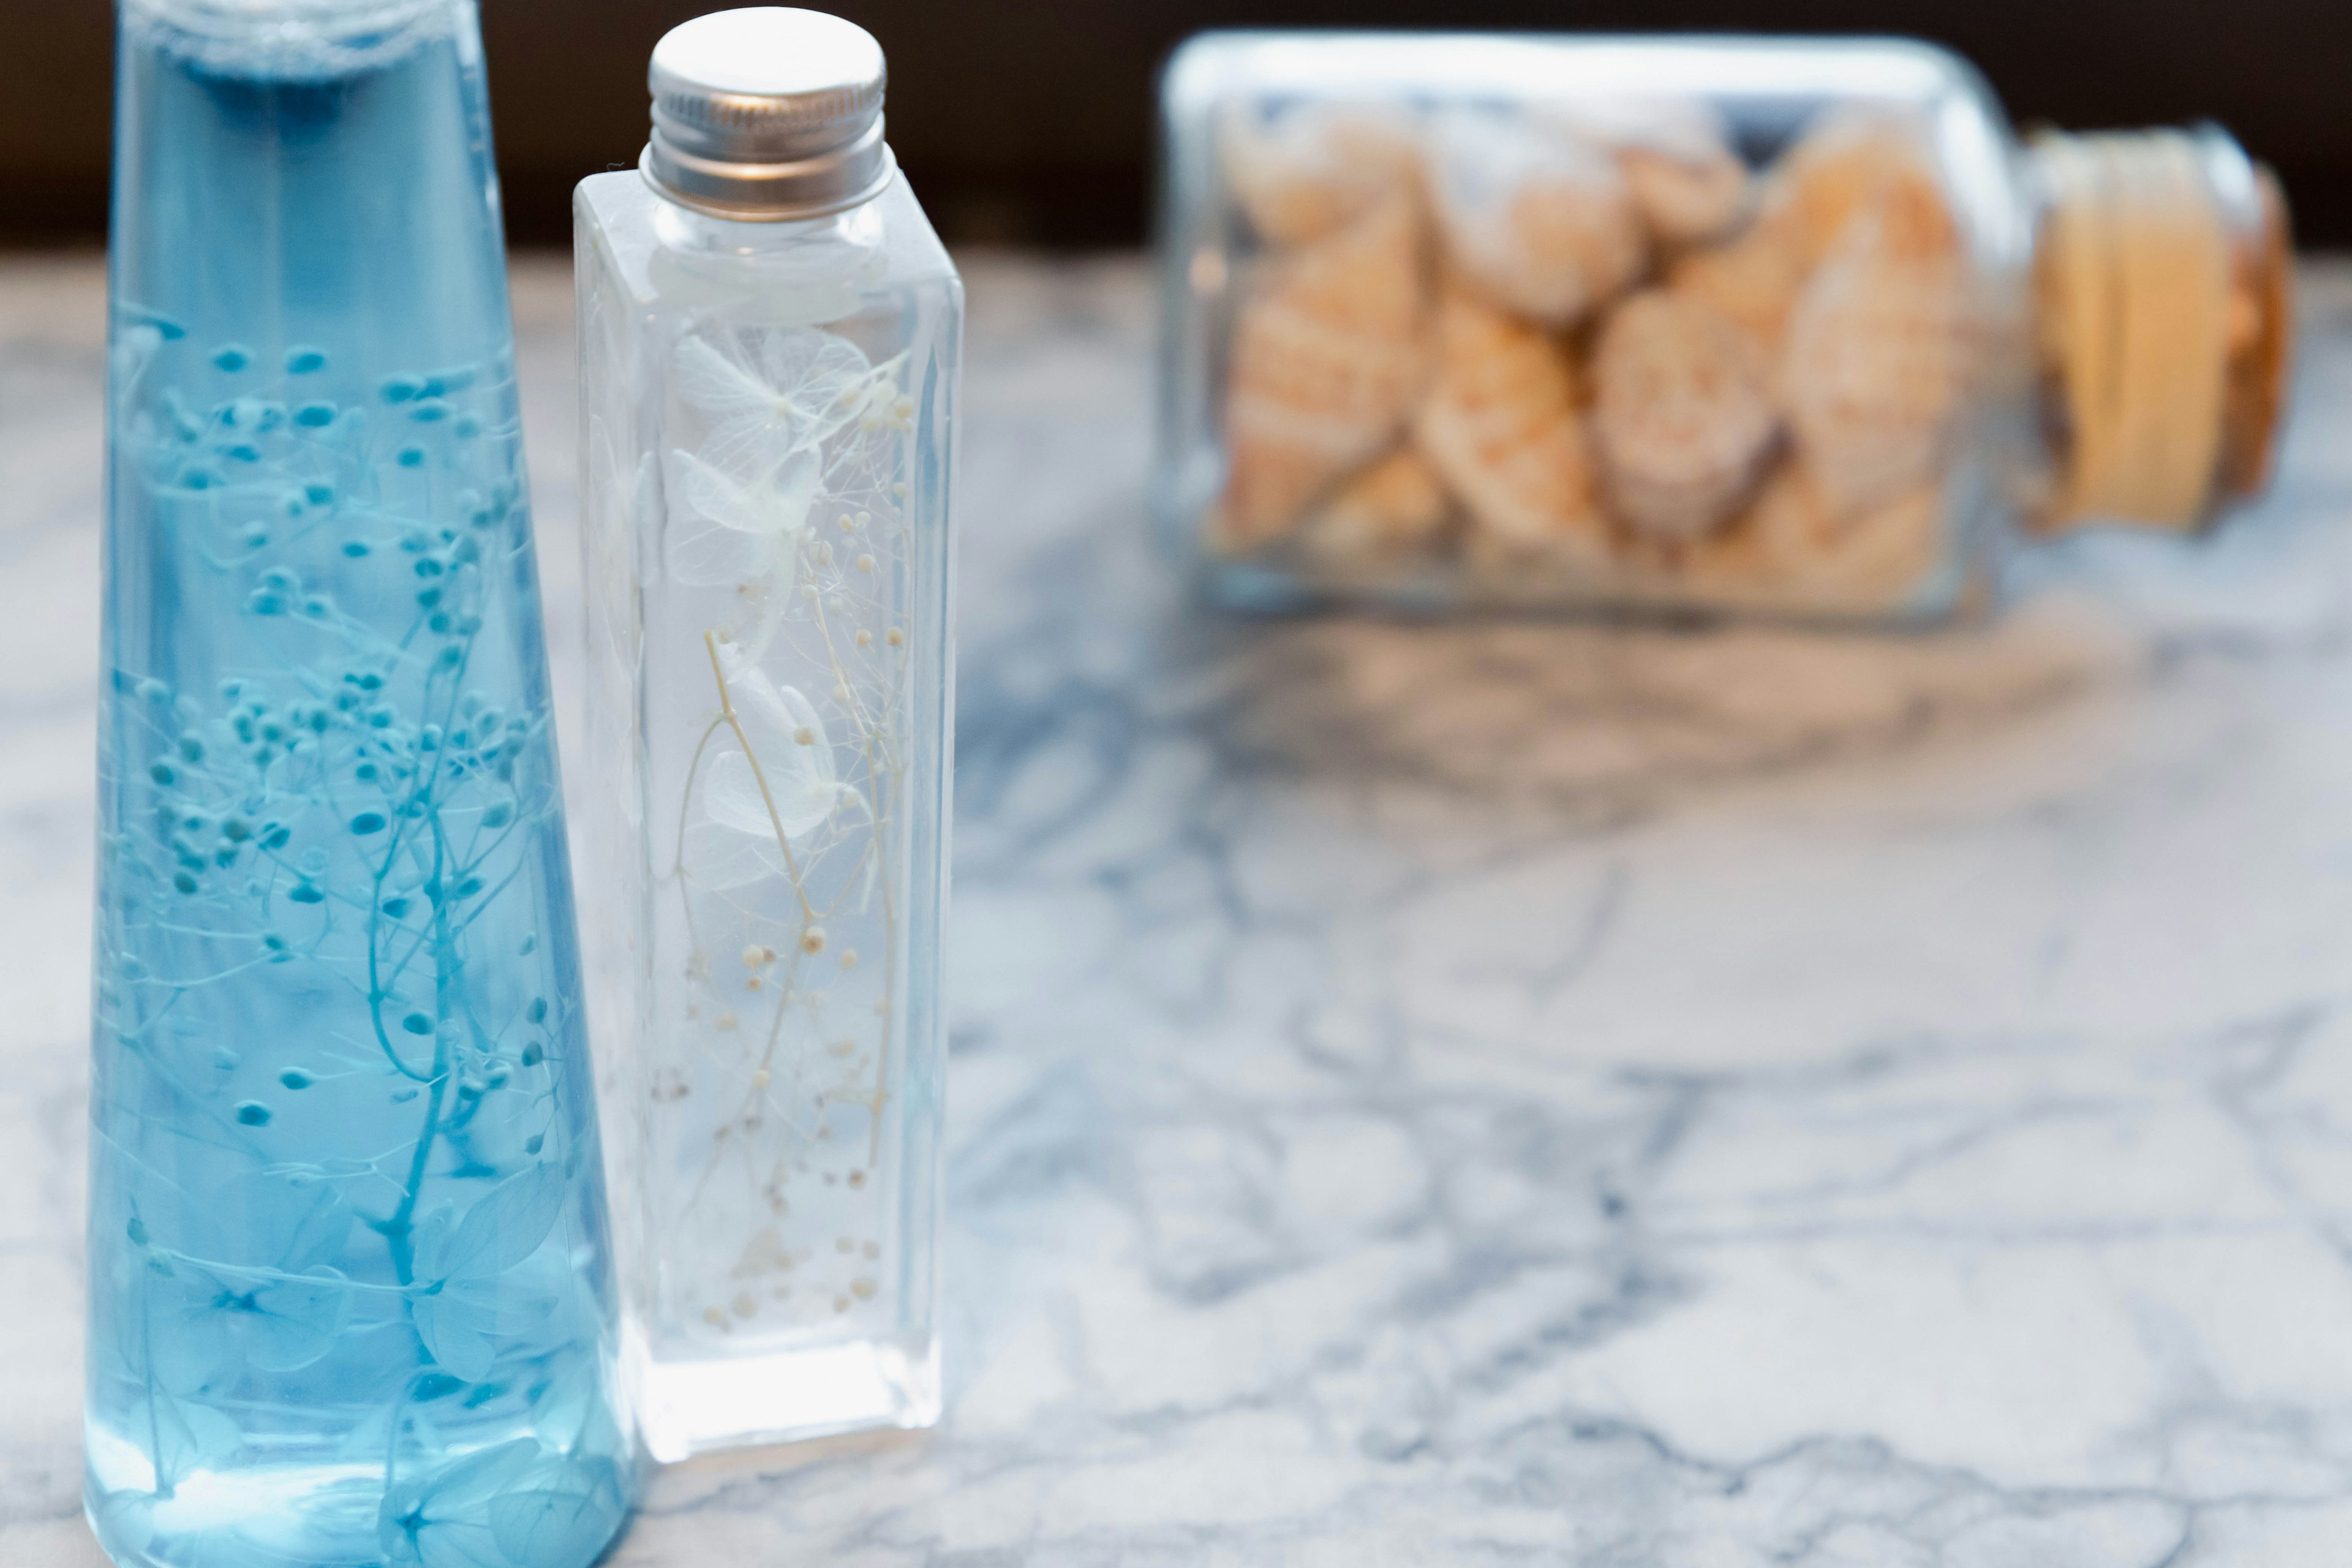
(2163, 278)
(2256, 400)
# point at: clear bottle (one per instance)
(351, 1298)
(769, 339)
(1795, 326)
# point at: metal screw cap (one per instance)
(767, 113)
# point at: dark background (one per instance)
(1030, 120)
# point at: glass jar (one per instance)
(350, 1292)
(1795, 326)
(769, 339)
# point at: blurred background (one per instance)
(1029, 122)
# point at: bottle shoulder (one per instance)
(663, 256)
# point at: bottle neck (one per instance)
(690, 231)
(298, 40)
(806, 268)
(2161, 280)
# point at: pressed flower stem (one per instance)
(824, 1065)
(775, 818)
(166, 1486)
(678, 862)
(869, 735)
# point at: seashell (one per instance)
(1306, 174)
(1790, 547)
(1685, 201)
(1326, 358)
(1500, 426)
(1753, 279)
(1394, 507)
(1687, 184)
(1874, 360)
(1539, 218)
(1851, 160)
(1682, 416)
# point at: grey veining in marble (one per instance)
(1505, 1094)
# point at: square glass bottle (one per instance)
(768, 340)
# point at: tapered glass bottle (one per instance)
(769, 333)
(350, 1299)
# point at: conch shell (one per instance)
(1327, 359)
(1682, 414)
(1394, 509)
(1308, 173)
(1753, 279)
(1500, 425)
(1792, 549)
(1687, 183)
(1876, 354)
(1539, 218)
(1852, 159)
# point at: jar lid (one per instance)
(767, 113)
(2166, 315)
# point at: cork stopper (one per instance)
(2164, 319)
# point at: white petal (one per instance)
(753, 615)
(769, 494)
(700, 486)
(714, 381)
(879, 388)
(799, 773)
(789, 490)
(702, 554)
(793, 359)
(733, 797)
(719, 857)
(751, 445)
(811, 370)
(775, 717)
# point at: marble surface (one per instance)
(1508, 1094)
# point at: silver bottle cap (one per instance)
(767, 113)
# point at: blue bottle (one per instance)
(350, 1299)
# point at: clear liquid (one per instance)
(767, 411)
(351, 1300)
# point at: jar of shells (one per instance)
(1796, 328)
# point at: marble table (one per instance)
(1505, 1094)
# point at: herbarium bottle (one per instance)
(349, 1294)
(1773, 325)
(769, 333)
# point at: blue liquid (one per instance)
(350, 1298)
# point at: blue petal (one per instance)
(556, 1525)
